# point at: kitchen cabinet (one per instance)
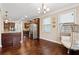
(11, 39)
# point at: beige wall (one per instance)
(54, 34)
(54, 31)
(77, 15)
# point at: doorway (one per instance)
(34, 29)
(31, 29)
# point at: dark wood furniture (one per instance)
(26, 29)
(11, 40)
(10, 26)
(26, 34)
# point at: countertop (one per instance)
(12, 32)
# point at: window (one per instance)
(66, 18)
(47, 24)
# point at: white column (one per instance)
(1, 30)
(0, 35)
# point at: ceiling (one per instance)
(20, 10)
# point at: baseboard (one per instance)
(51, 41)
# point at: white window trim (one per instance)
(73, 10)
(43, 30)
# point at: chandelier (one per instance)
(6, 19)
(43, 9)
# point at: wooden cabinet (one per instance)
(11, 40)
(10, 26)
(26, 33)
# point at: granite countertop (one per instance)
(11, 32)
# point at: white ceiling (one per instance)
(19, 10)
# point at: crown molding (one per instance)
(59, 10)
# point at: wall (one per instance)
(77, 15)
(54, 34)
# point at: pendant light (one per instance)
(6, 19)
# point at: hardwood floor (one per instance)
(37, 47)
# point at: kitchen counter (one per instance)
(10, 32)
(11, 39)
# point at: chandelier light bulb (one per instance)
(44, 12)
(47, 9)
(6, 21)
